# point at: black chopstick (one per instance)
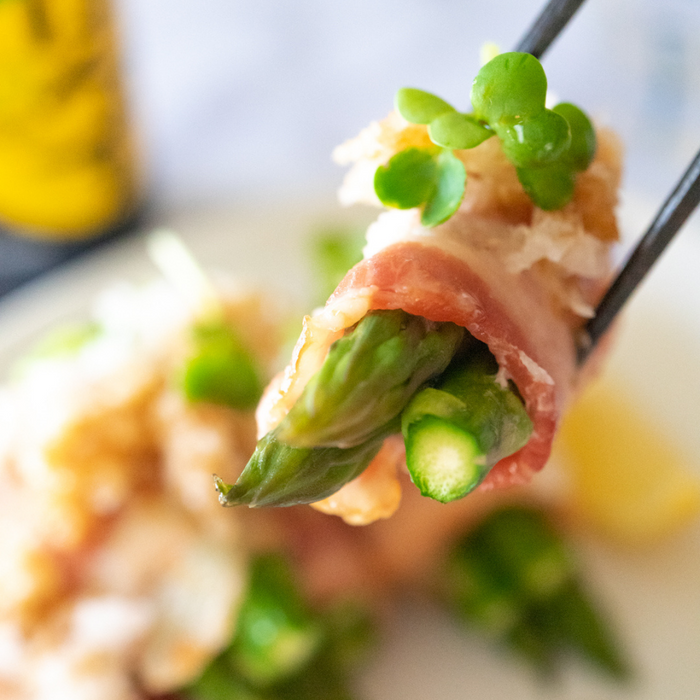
(672, 215)
(547, 26)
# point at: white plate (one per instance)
(652, 596)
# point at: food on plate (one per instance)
(458, 330)
(332, 252)
(122, 577)
(514, 578)
(282, 647)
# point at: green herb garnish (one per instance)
(458, 130)
(220, 370)
(282, 649)
(333, 253)
(547, 147)
(433, 179)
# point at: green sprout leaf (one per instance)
(457, 130)
(550, 187)
(415, 177)
(451, 179)
(511, 86)
(547, 147)
(535, 141)
(583, 141)
(420, 107)
(220, 370)
(408, 179)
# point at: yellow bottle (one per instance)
(67, 166)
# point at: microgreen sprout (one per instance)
(547, 146)
(431, 178)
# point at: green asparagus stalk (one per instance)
(481, 593)
(368, 378)
(515, 579)
(337, 425)
(280, 475)
(535, 644)
(456, 431)
(577, 624)
(529, 552)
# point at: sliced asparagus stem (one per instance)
(445, 461)
(368, 378)
(455, 432)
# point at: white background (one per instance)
(241, 98)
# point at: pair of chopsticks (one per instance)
(669, 219)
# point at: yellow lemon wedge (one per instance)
(627, 479)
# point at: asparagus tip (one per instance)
(226, 498)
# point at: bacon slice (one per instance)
(522, 287)
(532, 343)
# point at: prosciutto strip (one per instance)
(521, 283)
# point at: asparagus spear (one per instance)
(480, 591)
(515, 579)
(576, 624)
(456, 431)
(280, 475)
(368, 377)
(528, 551)
(338, 424)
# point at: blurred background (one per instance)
(232, 103)
(249, 97)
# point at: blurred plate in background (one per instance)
(651, 594)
